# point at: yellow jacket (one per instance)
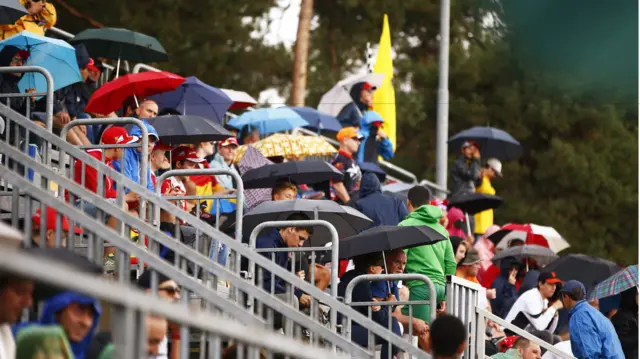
(33, 23)
(484, 219)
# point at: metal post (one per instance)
(442, 125)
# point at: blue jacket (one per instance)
(274, 240)
(370, 148)
(57, 303)
(592, 334)
(506, 293)
(352, 112)
(132, 159)
(382, 209)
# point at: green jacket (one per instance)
(509, 354)
(436, 261)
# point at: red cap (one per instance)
(368, 86)
(162, 147)
(92, 66)
(183, 153)
(51, 221)
(442, 204)
(115, 135)
(377, 124)
(231, 141)
(23, 54)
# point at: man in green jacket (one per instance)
(436, 261)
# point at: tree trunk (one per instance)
(301, 53)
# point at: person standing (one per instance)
(465, 173)
(349, 139)
(383, 209)
(625, 321)
(592, 335)
(362, 96)
(484, 219)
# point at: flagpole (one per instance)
(442, 124)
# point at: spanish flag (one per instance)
(384, 99)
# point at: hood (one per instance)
(6, 55)
(426, 215)
(628, 300)
(136, 131)
(370, 184)
(355, 96)
(367, 119)
(455, 214)
(506, 263)
(82, 56)
(63, 300)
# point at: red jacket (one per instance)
(91, 175)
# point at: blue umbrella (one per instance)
(317, 120)
(56, 56)
(269, 120)
(493, 142)
(194, 97)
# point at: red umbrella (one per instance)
(109, 97)
(530, 234)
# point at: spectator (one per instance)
(77, 314)
(375, 142)
(564, 345)
(531, 311)
(505, 286)
(42, 16)
(362, 96)
(465, 172)
(284, 190)
(349, 139)
(368, 264)
(442, 204)
(459, 246)
(132, 156)
(50, 240)
(249, 135)
(158, 161)
(223, 160)
(493, 272)
(468, 270)
(43, 342)
(95, 67)
(13, 56)
(147, 109)
(592, 334)
(625, 321)
(16, 295)
(522, 349)
(491, 170)
(485, 248)
(382, 209)
(456, 223)
(448, 338)
(156, 328)
(436, 261)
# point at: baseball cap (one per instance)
(92, 65)
(231, 141)
(184, 153)
(115, 135)
(368, 86)
(162, 147)
(496, 165)
(575, 288)
(51, 221)
(440, 203)
(469, 143)
(348, 132)
(549, 278)
(472, 257)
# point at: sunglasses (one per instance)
(170, 290)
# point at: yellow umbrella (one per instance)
(289, 146)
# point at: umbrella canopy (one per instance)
(373, 168)
(493, 142)
(472, 203)
(175, 129)
(301, 172)
(346, 220)
(240, 99)
(542, 255)
(269, 120)
(335, 99)
(113, 43)
(386, 238)
(109, 97)
(617, 283)
(317, 120)
(289, 146)
(530, 234)
(194, 97)
(56, 56)
(11, 11)
(586, 269)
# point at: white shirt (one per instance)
(533, 306)
(565, 347)
(163, 349)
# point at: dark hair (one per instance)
(363, 262)
(419, 196)
(300, 217)
(129, 102)
(144, 281)
(447, 335)
(282, 186)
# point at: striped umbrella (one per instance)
(617, 283)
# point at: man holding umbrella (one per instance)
(465, 172)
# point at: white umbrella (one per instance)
(333, 101)
(240, 99)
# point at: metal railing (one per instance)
(131, 307)
(462, 301)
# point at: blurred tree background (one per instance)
(561, 77)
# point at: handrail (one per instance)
(141, 66)
(21, 264)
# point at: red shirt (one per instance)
(91, 175)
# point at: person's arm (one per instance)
(341, 192)
(50, 15)
(467, 173)
(540, 321)
(585, 341)
(476, 172)
(403, 211)
(385, 148)
(449, 259)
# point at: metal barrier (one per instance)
(462, 301)
(131, 306)
(142, 66)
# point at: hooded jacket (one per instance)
(625, 321)
(436, 261)
(382, 209)
(57, 303)
(352, 112)
(465, 176)
(506, 293)
(454, 215)
(132, 158)
(592, 335)
(370, 148)
(9, 82)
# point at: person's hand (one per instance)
(391, 298)
(443, 308)
(305, 300)
(375, 308)
(31, 90)
(476, 153)
(512, 276)
(131, 197)
(41, 124)
(63, 118)
(301, 274)
(420, 327)
(491, 294)
(382, 134)
(557, 305)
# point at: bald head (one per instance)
(147, 109)
(396, 261)
(156, 332)
(527, 349)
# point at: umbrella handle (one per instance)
(384, 260)
(468, 225)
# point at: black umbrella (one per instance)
(67, 257)
(386, 238)
(11, 11)
(346, 220)
(176, 129)
(373, 168)
(586, 269)
(542, 255)
(303, 172)
(493, 142)
(472, 203)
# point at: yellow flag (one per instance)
(384, 99)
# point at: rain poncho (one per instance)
(370, 147)
(592, 335)
(33, 23)
(352, 112)
(132, 158)
(382, 209)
